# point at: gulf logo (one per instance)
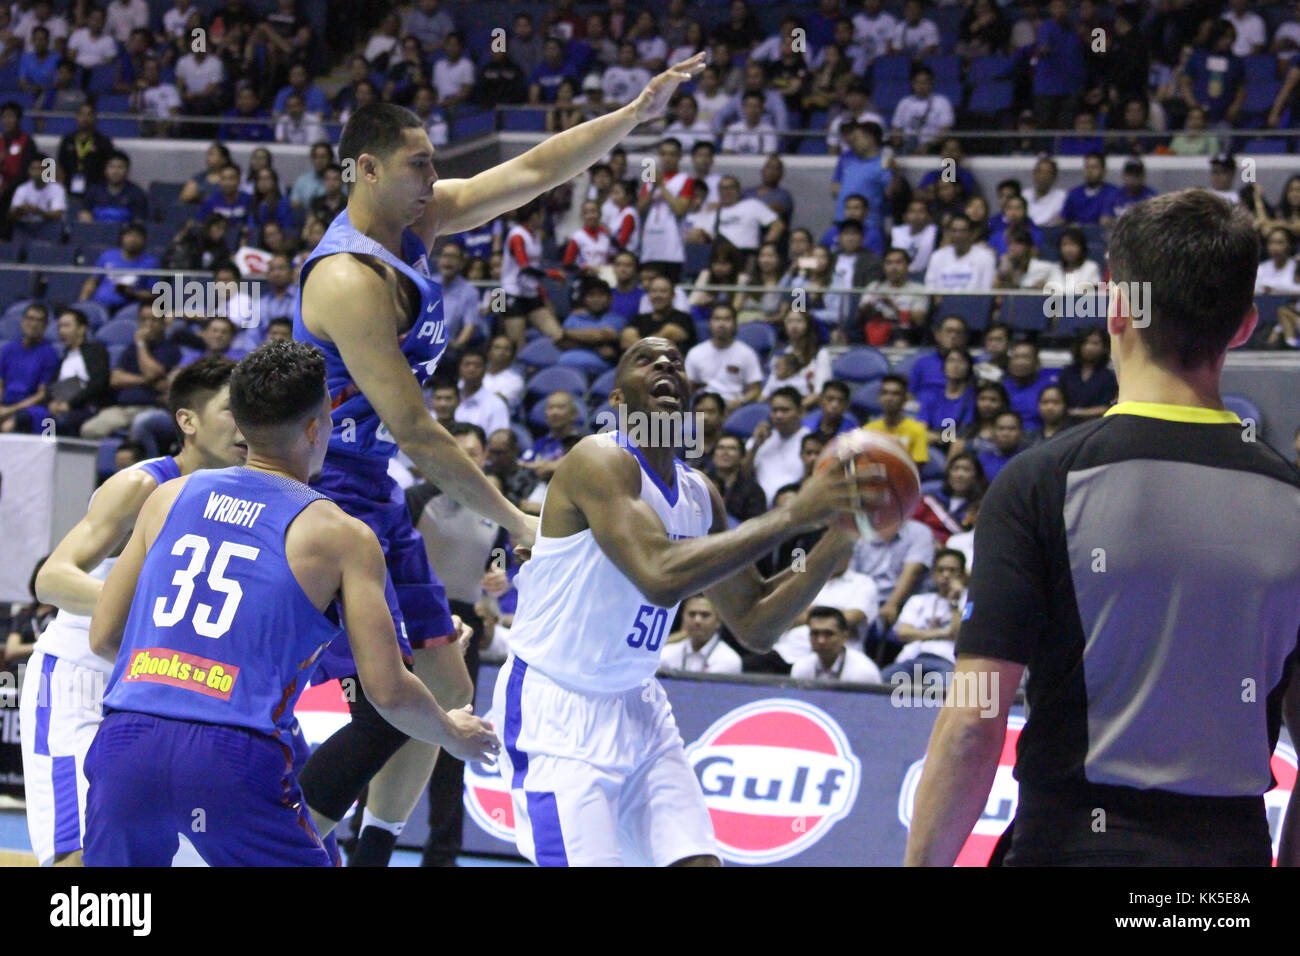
(776, 776)
(1004, 794)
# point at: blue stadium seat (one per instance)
(117, 332)
(987, 69)
(1265, 146)
(93, 233)
(129, 312)
(891, 68)
(946, 69)
(557, 378)
(100, 79)
(973, 309)
(113, 103)
(465, 126)
(1244, 408)
(697, 258)
(819, 119)
(46, 231)
(886, 96)
(860, 365)
(95, 313)
(88, 254)
(1025, 312)
(115, 352)
(585, 361)
(759, 336)
(811, 146)
(163, 196)
(64, 287)
(557, 293)
(904, 365)
(523, 121)
(993, 97)
(601, 387)
(51, 255)
(1268, 306)
(745, 419)
(539, 353)
(1260, 97)
(865, 401)
(1047, 248)
(14, 285)
(1067, 326)
(60, 125)
(600, 419)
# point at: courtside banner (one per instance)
(792, 775)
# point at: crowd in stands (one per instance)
(540, 304)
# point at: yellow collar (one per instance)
(1176, 413)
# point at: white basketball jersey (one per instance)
(580, 620)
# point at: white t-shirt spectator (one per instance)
(661, 236)
(174, 21)
(710, 105)
(1087, 276)
(197, 76)
(162, 101)
(714, 657)
(1044, 209)
(726, 371)
(88, 51)
(852, 666)
(121, 18)
(485, 409)
(56, 24)
(688, 136)
(1038, 273)
(51, 197)
(1251, 32)
(1290, 30)
(1269, 279)
(923, 118)
(874, 33)
(925, 612)
(750, 140)
(777, 462)
(449, 78)
(301, 132)
(378, 46)
(623, 84)
(509, 384)
(974, 271)
(913, 39)
(651, 48)
(851, 591)
(743, 222)
(919, 245)
(965, 543)
(883, 561)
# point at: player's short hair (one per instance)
(1197, 256)
(825, 612)
(376, 129)
(276, 384)
(197, 382)
(788, 392)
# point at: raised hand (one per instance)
(653, 101)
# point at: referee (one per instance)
(1144, 568)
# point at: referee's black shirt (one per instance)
(1145, 567)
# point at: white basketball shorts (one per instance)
(597, 779)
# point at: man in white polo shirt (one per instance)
(480, 407)
(745, 222)
(752, 134)
(702, 651)
(89, 46)
(772, 453)
(960, 265)
(724, 365)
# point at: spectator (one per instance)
(459, 303)
(770, 191)
(893, 309)
(1046, 200)
(81, 384)
(661, 205)
(915, 36)
(384, 43)
(832, 659)
(687, 127)
(1215, 78)
(296, 126)
(83, 153)
(1015, 213)
(624, 223)
(553, 70)
(444, 399)
(89, 46)
(592, 326)
(1089, 202)
(951, 509)
(910, 433)
(710, 97)
(517, 483)
(916, 236)
(311, 184)
(1086, 139)
(627, 292)
(929, 623)
(772, 453)
(848, 591)
(990, 401)
(501, 80)
(1007, 435)
(702, 175)
(38, 200)
(927, 374)
(702, 649)
(1052, 412)
(428, 24)
(1024, 380)
(155, 99)
(332, 199)
(216, 157)
(832, 416)
(751, 134)
(525, 44)
(992, 364)
(739, 220)
(1222, 170)
(853, 266)
(623, 81)
(218, 336)
(1075, 273)
(1277, 273)
(229, 200)
(114, 291)
(874, 28)
(724, 365)
(478, 405)
(1018, 267)
(754, 80)
(138, 379)
(268, 204)
(977, 211)
(946, 412)
(1134, 189)
(453, 75)
(117, 199)
(709, 410)
(742, 495)
(1088, 382)
(861, 171)
(983, 31)
(177, 20)
(25, 628)
(300, 82)
(1195, 141)
(769, 301)
(28, 366)
(959, 265)
(1059, 70)
(38, 69)
(742, 29)
(247, 122)
(283, 36)
(664, 319)
(544, 456)
(921, 118)
(199, 77)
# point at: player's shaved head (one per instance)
(376, 129)
(652, 342)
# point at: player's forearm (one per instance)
(959, 768)
(787, 596)
(412, 709)
(68, 588)
(441, 460)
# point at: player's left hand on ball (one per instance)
(653, 101)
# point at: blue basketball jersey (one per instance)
(220, 631)
(357, 429)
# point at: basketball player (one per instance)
(1143, 567)
(596, 766)
(370, 303)
(61, 708)
(216, 613)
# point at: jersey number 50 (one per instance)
(650, 633)
(216, 580)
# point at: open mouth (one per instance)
(665, 390)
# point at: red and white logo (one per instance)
(487, 798)
(1004, 797)
(776, 776)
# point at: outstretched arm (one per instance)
(460, 204)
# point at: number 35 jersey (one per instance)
(580, 620)
(219, 630)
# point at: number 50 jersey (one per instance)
(580, 620)
(219, 630)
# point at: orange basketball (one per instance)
(875, 453)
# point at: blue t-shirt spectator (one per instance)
(866, 177)
(1124, 199)
(1087, 204)
(128, 204)
(848, 422)
(550, 77)
(998, 235)
(477, 242)
(938, 410)
(965, 180)
(106, 293)
(1024, 398)
(279, 212)
(577, 321)
(626, 303)
(313, 100)
(166, 353)
(1059, 67)
(1216, 78)
(927, 377)
(994, 461)
(37, 71)
(243, 128)
(230, 209)
(24, 369)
